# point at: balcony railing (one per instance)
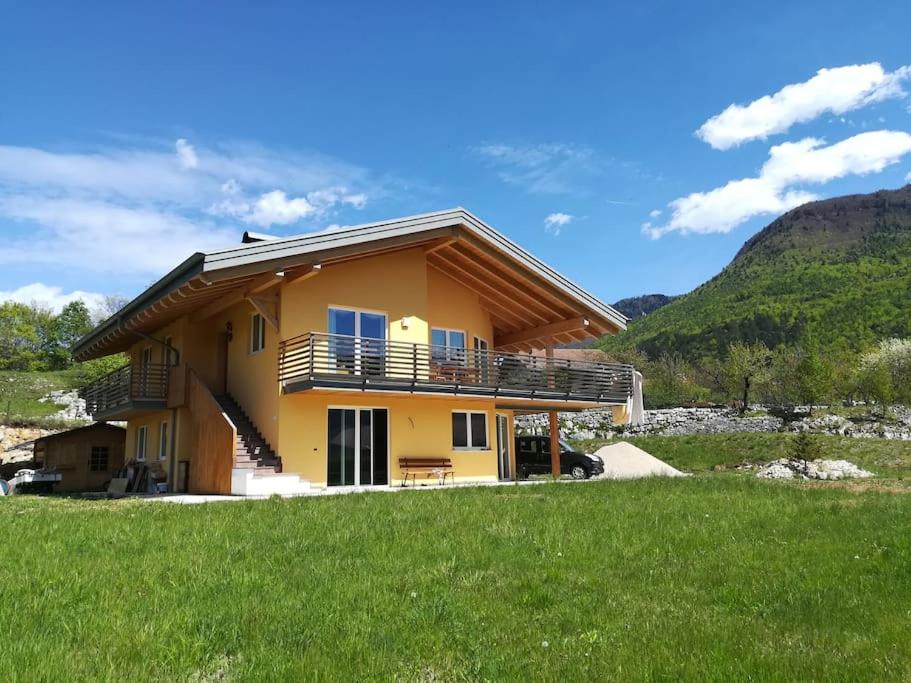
(340, 361)
(125, 388)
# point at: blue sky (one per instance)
(133, 134)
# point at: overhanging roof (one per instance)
(521, 292)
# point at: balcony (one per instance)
(127, 391)
(318, 360)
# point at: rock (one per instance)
(72, 407)
(824, 470)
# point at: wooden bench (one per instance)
(411, 467)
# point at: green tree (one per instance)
(66, 329)
(746, 369)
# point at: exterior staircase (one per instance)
(257, 469)
(253, 452)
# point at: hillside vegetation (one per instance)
(838, 270)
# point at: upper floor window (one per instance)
(257, 333)
(447, 345)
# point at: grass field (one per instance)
(719, 576)
(20, 393)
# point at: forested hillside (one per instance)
(837, 270)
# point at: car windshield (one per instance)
(564, 445)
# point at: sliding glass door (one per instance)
(358, 447)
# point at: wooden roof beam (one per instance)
(256, 286)
(544, 332)
(517, 291)
(302, 273)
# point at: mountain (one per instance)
(635, 307)
(837, 269)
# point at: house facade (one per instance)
(324, 359)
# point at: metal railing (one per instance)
(319, 359)
(120, 388)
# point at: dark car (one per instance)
(533, 457)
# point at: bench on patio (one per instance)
(439, 467)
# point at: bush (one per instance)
(805, 447)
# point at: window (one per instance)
(447, 345)
(142, 442)
(257, 333)
(166, 354)
(147, 356)
(98, 460)
(163, 441)
(469, 430)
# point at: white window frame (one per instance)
(460, 357)
(163, 431)
(262, 333)
(470, 440)
(142, 439)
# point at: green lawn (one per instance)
(20, 391)
(890, 460)
(712, 577)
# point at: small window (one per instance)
(447, 345)
(142, 443)
(469, 430)
(166, 354)
(163, 441)
(257, 333)
(98, 460)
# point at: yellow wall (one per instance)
(152, 421)
(419, 426)
(453, 306)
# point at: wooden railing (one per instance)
(137, 382)
(319, 359)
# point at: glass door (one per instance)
(358, 452)
(358, 342)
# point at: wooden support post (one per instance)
(554, 444)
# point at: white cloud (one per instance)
(654, 213)
(837, 91)
(79, 234)
(542, 169)
(555, 222)
(275, 208)
(908, 178)
(52, 297)
(186, 154)
(136, 211)
(774, 190)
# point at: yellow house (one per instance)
(326, 359)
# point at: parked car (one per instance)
(533, 457)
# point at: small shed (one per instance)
(86, 457)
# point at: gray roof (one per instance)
(222, 263)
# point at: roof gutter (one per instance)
(178, 276)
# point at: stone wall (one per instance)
(597, 424)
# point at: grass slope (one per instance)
(20, 391)
(713, 577)
(839, 269)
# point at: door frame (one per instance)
(509, 464)
(357, 433)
